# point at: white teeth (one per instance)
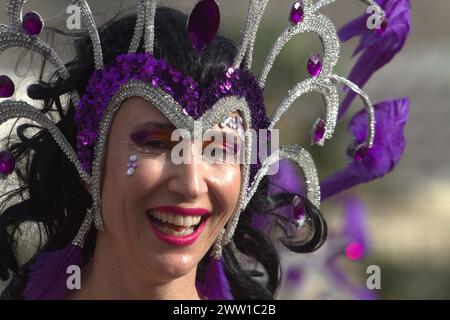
(187, 221)
(172, 232)
(194, 220)
(176, 219)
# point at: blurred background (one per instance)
(406, 213)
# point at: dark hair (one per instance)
(51, 193)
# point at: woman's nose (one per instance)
(189, 179)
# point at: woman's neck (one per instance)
(109, 277)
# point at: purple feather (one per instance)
(215, 285)
(391, 117)
(355, 227)
(376, 49)
(48, 277)
(359, 292)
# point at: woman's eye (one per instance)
(221, 153)
(153, 146)
(152, 141)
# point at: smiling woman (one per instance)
(160, 222)
(164, 230)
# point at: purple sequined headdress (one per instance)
(182, 101)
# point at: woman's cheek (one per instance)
(228, 176)
(225, 182)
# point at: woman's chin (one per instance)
(174, 265)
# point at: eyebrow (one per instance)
(154, 125)
(171, 126)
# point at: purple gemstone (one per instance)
(383, 26)
(32, 23)
(133, 165)
(360, 152)
(318, 131)
(296, 13)
(203, 24)
(314, 64)
(7, 163)
(6, 87)
(298, 209)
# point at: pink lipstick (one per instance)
(183, 211)
(182, 240)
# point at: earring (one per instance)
(218, 246)
(132, 165)
(215, 285)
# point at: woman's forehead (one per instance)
(138, 110)
(142, 114)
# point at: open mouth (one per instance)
(176, 225)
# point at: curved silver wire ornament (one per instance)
(145, 25)
(323, 3)
(10, 40)
(254, 15)
(290, 152)
(15, 12)
(367, 103)
(12, 36)
(92, 30)
(10, 109)
(305, 162)
(324, 83)
(149, 33)
(318, 24)
(218, 245)
(84, 229)
(139, 27)
(322, 86)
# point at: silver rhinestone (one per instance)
(130, 171)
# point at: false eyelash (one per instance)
(146, 150)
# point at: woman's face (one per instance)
(133, 229)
